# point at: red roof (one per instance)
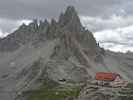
(105, 76)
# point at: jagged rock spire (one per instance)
(70, 20)
(33, 26)
(43, 25)
(54, 30)
(69, 26)
(69, 14)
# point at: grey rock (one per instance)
(67, 50)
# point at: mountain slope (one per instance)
(62, 50)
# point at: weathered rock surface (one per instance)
(60, 50)
(94, 92)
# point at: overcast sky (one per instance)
(111, 21)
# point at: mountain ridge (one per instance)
(57, 50)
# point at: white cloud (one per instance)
(117, 47)
(114, 33)
(98, 23)
(8, 26)
(119, 39)
(2, 34)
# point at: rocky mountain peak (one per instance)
(53, 22)
(33, 26)
(71, 12)
(70, 20)
(23, 26)
(54, 30)
(43, 25)
(69, 26)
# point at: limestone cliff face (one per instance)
(57, 50)
(71, 54)
(70, 20)
(68, 27)
(32, 33)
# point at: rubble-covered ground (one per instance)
(95, 92)
(60, 50)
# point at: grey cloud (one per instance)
(41, 9)
(113, 22)
(51, 8)
(119, 39)
(20, 9)
(116, 42)
(127, 6)
(29, 9)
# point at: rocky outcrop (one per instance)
(70, 20)
(94, 92)
(62, 51)
(75, 43)
(70, 58)
(32, 33)
(67, 51)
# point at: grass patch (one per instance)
(53, 91)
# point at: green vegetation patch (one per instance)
(53, 91)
